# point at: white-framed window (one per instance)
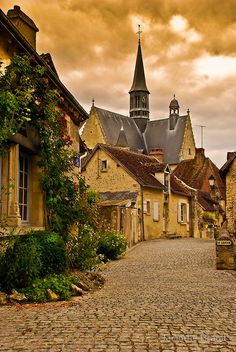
(146, 206)
(104, 165)
(183, 213)
(155, 211)
(23, 191)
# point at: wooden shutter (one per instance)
(179, 212)
(155, 211)
(145, 206)
(187, 214)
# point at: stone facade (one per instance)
(92, 132)
(21, 197)
(231, 197)
(187, 150)
(157, 212)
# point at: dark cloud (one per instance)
(189, 49)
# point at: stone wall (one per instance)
(231, 197)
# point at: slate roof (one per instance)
(224, 169)
(112, 123)
(158, 135)
(122, 140)
(139, 82)
(118, 196)
(26, 48)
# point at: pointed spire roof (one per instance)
(139, 82)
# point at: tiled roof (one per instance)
(195, 174)
(206, 201)
(140, 166)
(178, 187)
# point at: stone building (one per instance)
(21, 200)
(146, 202)
(228, 172)
(172, 138)
(203, 176)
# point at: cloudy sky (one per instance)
(189, 49)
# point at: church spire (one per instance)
(139, 94)
(139, 81)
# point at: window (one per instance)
(146, 207)
(189, 151)
(183, 213)
(23, 195)
(155, 211)
(137, 101)
(104, 165)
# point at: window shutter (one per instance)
(187, 215)
(179, 212)
(145, 206)
(155, 211)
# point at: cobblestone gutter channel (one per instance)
(163, 296)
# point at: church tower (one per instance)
(139, 94)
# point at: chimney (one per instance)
(24, 24)
(200, 155)
(230, 155)
(157, 154)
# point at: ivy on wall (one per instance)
(26, 98)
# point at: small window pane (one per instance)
(20, 196)
(21, 179)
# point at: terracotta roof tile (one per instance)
(141, 166)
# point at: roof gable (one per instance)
(159, 135)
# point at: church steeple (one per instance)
(139, 94)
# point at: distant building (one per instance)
(172, 138)
(138, 194)
(203, 175)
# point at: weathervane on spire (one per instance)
(139, 33)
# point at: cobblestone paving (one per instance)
(165, 295)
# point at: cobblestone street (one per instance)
(165, 295)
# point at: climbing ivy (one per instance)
(26, 98)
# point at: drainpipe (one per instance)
(82, 157)
(142, 215)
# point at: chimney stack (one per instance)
(200, 155)
(157, 154)
(24, 24)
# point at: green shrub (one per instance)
(52, 252)
(21, 263)
(59, 284)
(82, 249)
(112, 244)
